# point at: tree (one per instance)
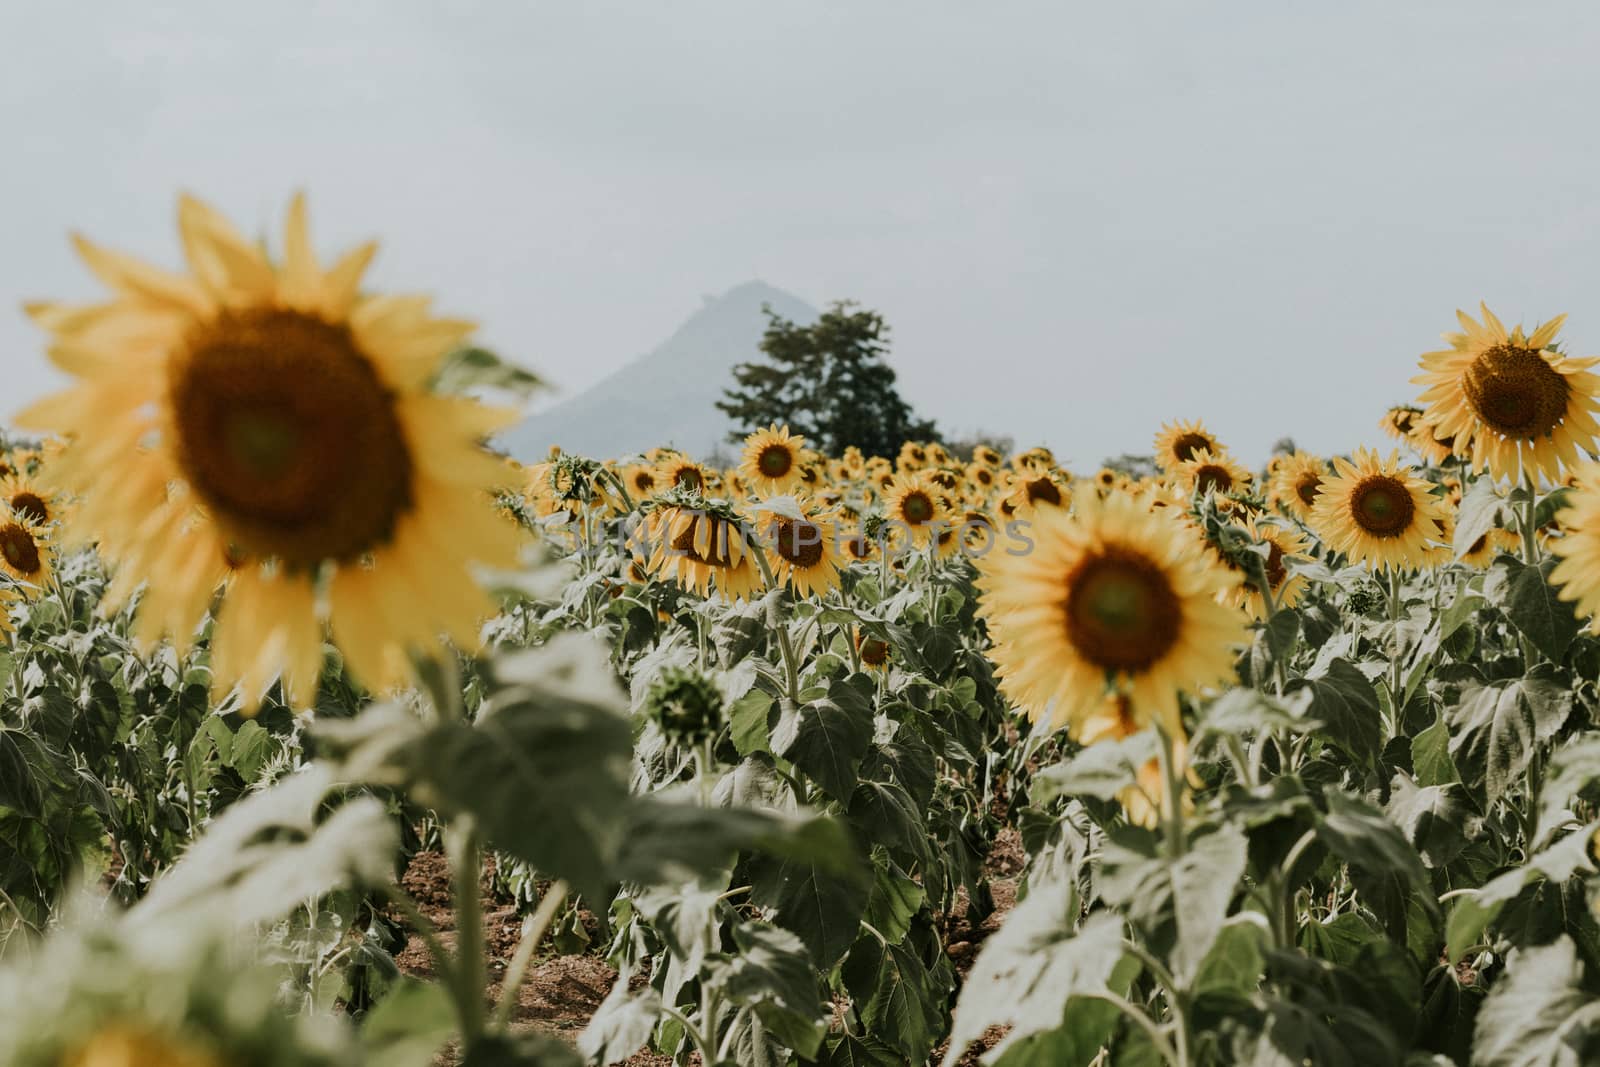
(828, 382)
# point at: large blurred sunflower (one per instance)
(1112, 598)
(273, 413)
(1510, 402)
(1377, 512)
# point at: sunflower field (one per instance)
(328, 735)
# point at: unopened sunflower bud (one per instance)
(686, 704)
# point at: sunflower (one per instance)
(26, 552)
(1282, 543)
(986, 456)
(292, 409)
(1206, 472)
(874, 652)
(1401, 421)
(1035, 458)
(1033, 489)
(915, 506)
(1295, 483)
(677, 471)
(1578, 572)
(642, 480)
(1377, 512)
(771, 463)
(913, 456)
(1178, 442)
(1486, 548)
(802, 547)
(1510, 402)
(695, 548)
(24, 496)
(1114, 598)
(126, 1046)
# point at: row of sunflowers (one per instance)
(1302, 761)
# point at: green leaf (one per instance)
(1345, 703)
(1538, 1013)
(1479, 512)
(883, 813)
(1433, 818)
(895, 995)
(1235, 962)
(895, 899)
(1474, 912)
(822, 909)
(410, 1024)
(1528, 599)
(1101, 770)
(671, 838)
(1574, 766)
(1430, 754)
(748, 716)
(622, 1024)
(272, 851)
(1497, 727)
(1384, 868)
(1033, 967)
(1243, 711)
(1192, 893)
(773, 974)
(849, 1050)
(827, 739)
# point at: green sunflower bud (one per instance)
(686, 704)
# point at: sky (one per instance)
(1080, 221)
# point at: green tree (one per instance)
(827, 381)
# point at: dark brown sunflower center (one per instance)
(775, 461)
(687, 478)
(18, 548)
(644, 481)
(1043, 490)
(1516, 392)
(1212, 478)
(718, 551)
(1382, 506)
(874, 653)
(982, 476)
(31, 505)
(287, 434)
(799, 542)
(1306, 488)
(1122, 613)
(1184, 448)
(1276, 571)
(1477, 546)
(917, 508)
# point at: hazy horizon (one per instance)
(1079, 224)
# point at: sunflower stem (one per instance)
(466, 864)
(1396, 668)
(1172, 801)
(780, 625)
(1530, 549)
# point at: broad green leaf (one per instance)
(467, 369)
(897, 998)
(1528, 599)
(1479, 512)
(1538, 1013)
(622, 1024)
(810, 900)
(1473, 913)
(1345, 703)
(1033, 967)
(773, 974)
(1497, 727)
(748, 717)
(895, 899)
(827, 739)
(1235, 962)
(1433, 818)
(670, 838)
(1384, 868)
(1101, 770)
(410, 1024)
(1430, 754)
(1574, 766)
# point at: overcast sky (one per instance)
(1079, 223)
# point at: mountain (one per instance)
(666, 396)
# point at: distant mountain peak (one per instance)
(668, 395)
